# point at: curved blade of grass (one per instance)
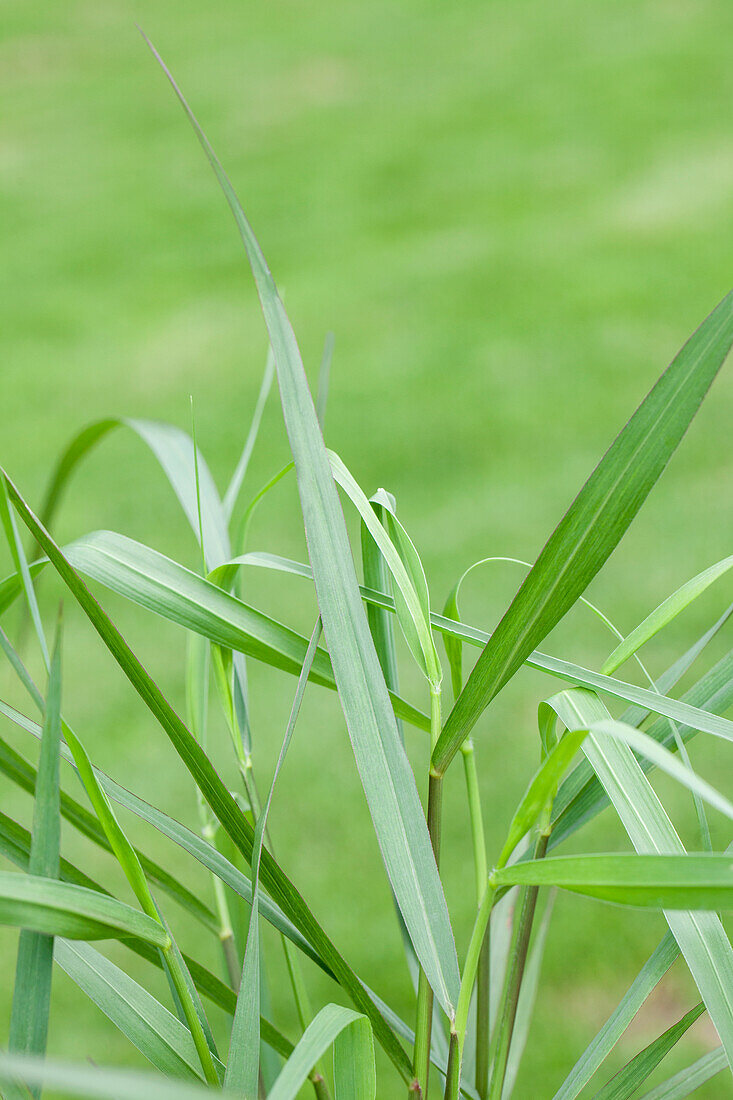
(541, 790)
(701, 936)
(100, 1084)
(232, 493)
(385, 772)
(60, 909)
(603, 1043)
(700, 880)
(354, 1071)
(216, 794)
(662, 615)
(317, 1038)
(173, 449)
(582, 796)
(645, 746)
(689, 1079)
(34, 967)
(629, 1079)
(411, 592)
(157, 1034)
(594, 524)
(242, 1074)
(642, 698)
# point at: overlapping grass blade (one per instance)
(700, 936)
(594, 523)
(605, 1040)
(581, 796)
(15, 846)
(316, 1039)
(664, 614)
(208, 855)
(633, 1075)
(218, 797)
(34, 969)
(699, 881)
(690, 1079)
(242, 1074)
(384, 769)
(60, 909)
(157, 1034)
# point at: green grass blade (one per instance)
(383, 766)
(317, 1038)
(157, 1034)
(690, 1079)
(594, 523)
(701, 936)
(541, 790)
(60, 909)
(354, 1072)
(242, 1075)
(605, 1040)
(34, 969)
(173, 450)
(662, 615)
(212, 788)
(21, 567)
(628, 1080)
(691, 881)
(232, 493)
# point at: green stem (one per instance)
(424, 1021)
(513, 983)
(192, 1018)
(483, 999)
(453, 1073)
(480, 868)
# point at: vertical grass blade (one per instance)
(243, 1064)
(32, 992)
(595, 522)
(383, 766)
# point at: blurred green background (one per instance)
(511, 215)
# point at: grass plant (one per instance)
(472, 1008)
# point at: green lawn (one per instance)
(511, 215)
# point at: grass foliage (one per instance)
(470, 1022)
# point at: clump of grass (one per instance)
(587, 759)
